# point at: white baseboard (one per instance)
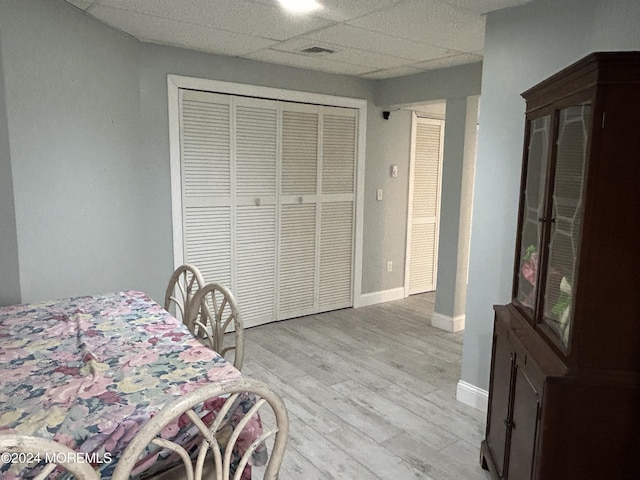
(473, 396)
(372, 298)
(447, 323)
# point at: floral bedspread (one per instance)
(88, 372)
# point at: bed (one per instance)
(117, 379)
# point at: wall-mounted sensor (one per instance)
(386, 114)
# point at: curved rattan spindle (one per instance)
(215, 318)
(185, 281)
(214, 438)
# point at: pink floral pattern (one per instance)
(88, 372)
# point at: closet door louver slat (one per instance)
(422, 241)
(297, 260)
(299, 152)
(338, 152)
(336, 255)
(208, 234)
(255, 264)
(205, 146)
(256, 149)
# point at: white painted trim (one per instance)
(359, 199)
(447, 323)
(412, 161)
(473, 396)
(176, 177)
(382, 296)
(232, 88)
(176, 82)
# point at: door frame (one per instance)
(177, 82)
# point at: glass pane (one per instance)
(564, 241)
(538, 150)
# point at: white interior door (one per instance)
(205, 144)
(298, 210)
(268, 201)
(337, 208)
(424, 208)
(255, 164)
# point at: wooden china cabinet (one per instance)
(564, 397)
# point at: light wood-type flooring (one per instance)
(370, 394)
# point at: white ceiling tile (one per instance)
(370, 59)
(342, 10)
(486, 6)
(303, 61)
(392, 72)
(341, 53)
(243, 16)
(171, 32)
(83, 4)
(348, 35)
(451, 61)
(429, 21)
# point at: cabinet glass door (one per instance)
(532, 210)
(566, 219)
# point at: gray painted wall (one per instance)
(453, 82)
(523, 46)
(386, 220)
(72, 111)
(9, 267)
(455, 205)
(86, 111)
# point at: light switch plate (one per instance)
(379, 194)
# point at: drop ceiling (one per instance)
(373, 39)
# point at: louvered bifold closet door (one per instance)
(298, 210)
(256, 154)
(339, 135)
(205, 131)
(268, 197)
(425, 205)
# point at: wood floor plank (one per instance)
(371, 394)
(422, 429)
(375, 455)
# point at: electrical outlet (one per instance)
(389, 266)
(394, 171)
